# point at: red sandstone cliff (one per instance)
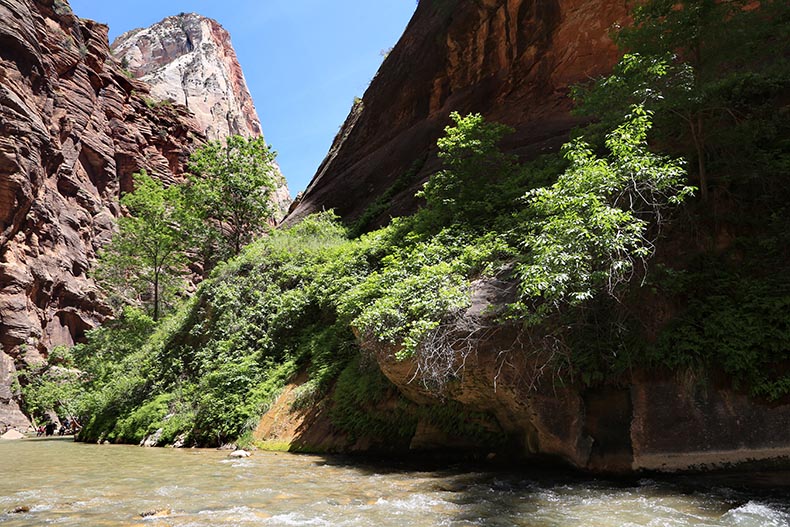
(511, 60)
(514, 62)
(73, 130)
(189, 59)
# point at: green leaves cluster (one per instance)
(470, 154)
(230, 192)
(714, 73)
(52, 386)
(412, 289)
(292, 298)
(591, 227)
(147, 255)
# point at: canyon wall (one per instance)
(646, 421)
(73, 130)
(189, 59)
(511, 60)
(514, 62)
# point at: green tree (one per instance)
(52, 386)
(466, 190)
(145, 259)
(231, 192)
(593, 224)
(707, 68)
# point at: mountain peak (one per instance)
(189, 59)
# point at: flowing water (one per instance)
(58, 482)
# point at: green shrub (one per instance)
(143, 420)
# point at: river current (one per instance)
(58, 482)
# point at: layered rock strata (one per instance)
(189, 59)
(73, 130)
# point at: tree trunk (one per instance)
(703, 175)
(156, 296)
(698, 136)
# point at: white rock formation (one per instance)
(189, 59)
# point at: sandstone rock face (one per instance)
(189, 59)
(514, 61)
(511, 60)
(648, 422)
(73, 130)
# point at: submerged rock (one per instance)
(239, 454)
(156, 513)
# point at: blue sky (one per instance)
(304, 60)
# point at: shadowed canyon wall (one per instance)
(514, 62)
(511, 60)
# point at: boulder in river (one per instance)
(153, 439)
(239, 454)
(12, 435)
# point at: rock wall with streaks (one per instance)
(511, 60)
(73, 130)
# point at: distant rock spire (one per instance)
(189, 59)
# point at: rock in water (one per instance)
(237, 454)
(154, 439)
(12, 435)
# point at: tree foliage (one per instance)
(571, 232)
(145, 259)
(230, 192)
(52, 386)
(466, 191)
(592, 224)
(703, 67)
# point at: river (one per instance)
(59, 482)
